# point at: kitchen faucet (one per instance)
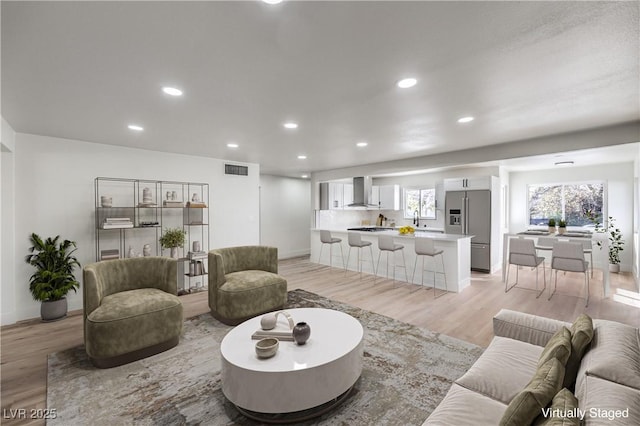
(416, 218)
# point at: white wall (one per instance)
(619, 195)
(54, 195)
(7, 232)
(285, 215)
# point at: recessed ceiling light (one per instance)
(272, 1)
(405, 83)
(135, 127)
(232, 145)
(290, 125)
(564, 163)
(302, 157)
(172, 91)
(304, 176)
(362, 144)
(466, 119)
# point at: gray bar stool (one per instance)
(385, 243)
(426, 247)
(355, 240)
(326, 238)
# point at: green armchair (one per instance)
(244, 282)
(131, 310)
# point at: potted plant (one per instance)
(552, 226)
(562, 227)
(172, 238)
(615, 240)
(615, 245)
(54, 262)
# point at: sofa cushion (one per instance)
(132, 320)
(609, 404)
(559, 347)
(614, 355)
(248, 293)
(132, 303)
(503, 370)
(563, 411)
(464, 407)
(527, 405)
(581, 336)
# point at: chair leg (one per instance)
(320, 257)
(544, 278)
(555, 285)
(348, 255)
(341, 254)
(444, 274)
(404, 265)
(506, 282)
(371, 252)
(414, 271)
(586, 281)
(377, 268)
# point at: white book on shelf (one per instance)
(117, 219)
(117, 225)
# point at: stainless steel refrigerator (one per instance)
(469, 213)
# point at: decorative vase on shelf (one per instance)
(131, 252)
(146, 250)
(174, 252)
(301, 333)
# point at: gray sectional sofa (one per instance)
(607, 385)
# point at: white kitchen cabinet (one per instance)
(386, 197)
(463, 184)
(336, 194)
(347, 194)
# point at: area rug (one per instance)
(407, 371)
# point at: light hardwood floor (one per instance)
(466, 316)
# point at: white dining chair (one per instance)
(522, 252)
(587, 248)
(569, 256)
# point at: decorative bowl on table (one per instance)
(266, 348)
(406, 230)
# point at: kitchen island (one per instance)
(456, 248)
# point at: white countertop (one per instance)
(396, 234)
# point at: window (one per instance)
(569, 202)
(421, 200)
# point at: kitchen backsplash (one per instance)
(342, 219)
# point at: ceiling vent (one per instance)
(234, 169)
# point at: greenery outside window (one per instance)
(568, 202)
(422, 200)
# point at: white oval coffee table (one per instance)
(300, 381)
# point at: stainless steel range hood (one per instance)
(362, 192)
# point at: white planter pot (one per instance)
(614, 268)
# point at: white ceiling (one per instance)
(84, 70)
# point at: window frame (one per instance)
(604, 184)
(420, 190)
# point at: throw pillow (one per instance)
(563, 411)
(559, 347)
(581, 336)
(527, 405)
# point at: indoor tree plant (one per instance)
(615, 239)
(172, 238)
(552, 226)
(53, 279)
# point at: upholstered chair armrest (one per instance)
(170, 282)
(526, 327)
(216, 271)
(93, 286)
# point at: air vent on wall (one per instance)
(234, 169)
